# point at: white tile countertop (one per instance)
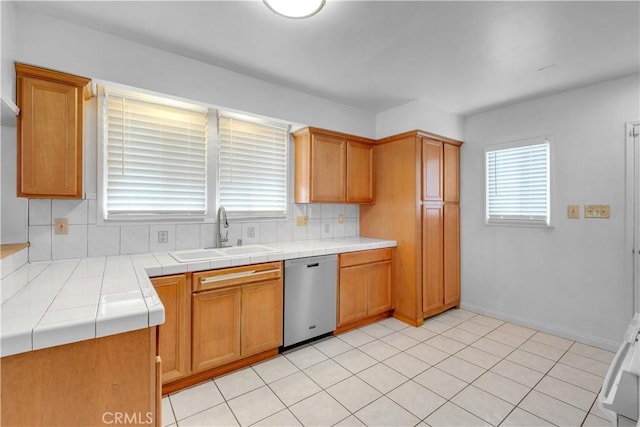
(45, 304)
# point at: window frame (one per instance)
(210, 167)
(259, 215)
(522, 222)
(212, 172)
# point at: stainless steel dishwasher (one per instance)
(310, 293)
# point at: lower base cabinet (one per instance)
(108, 380)
(365, 285)
(218, 320)
(216, 328)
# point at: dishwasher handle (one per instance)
(316, 264)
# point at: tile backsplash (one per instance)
(87, 238)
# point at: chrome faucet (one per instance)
(222, 222)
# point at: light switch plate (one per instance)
(301, 221)
(597, 211)
(573, 211)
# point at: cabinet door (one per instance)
(379, 288)
(49, 139)
(432, 257)
(451, 173)
(431, 169)
(352, 294)
(360, 177)
(451, 253)
(173, 334)
(215, 328)
(327, 169)
(261, 317)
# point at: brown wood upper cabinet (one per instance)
(50, 128)
(332, 167)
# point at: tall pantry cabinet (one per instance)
(418, 205)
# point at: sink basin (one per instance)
(196, 255)
(193, 255)
(247, 250)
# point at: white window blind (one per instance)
(517, 179)
(154, 159)
(252, 167)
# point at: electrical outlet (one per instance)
(302, 221)
(573, 211)
(340, 219)
(597, 211)
(327, 228)
(251, 232)
(61, 226)
(163, 237)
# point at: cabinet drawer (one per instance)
(216, 279)
(365, 257)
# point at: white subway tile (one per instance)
(268, 232)
(207, 235)
(74, 210)
(188, 236)
(285, 231)
(314, 211)
(313, 229)
(71, 245)
(92, 211)
(40, 242)
(40, 212)
(103, 240)
(134, 239)
(326, 211)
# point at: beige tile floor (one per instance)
(458, 369)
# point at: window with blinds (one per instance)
(517, 183)
(252, 168)
(155, 154)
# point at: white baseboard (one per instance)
(548, 328)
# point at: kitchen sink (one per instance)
(247, 250)
(196, 255)
(193, 255)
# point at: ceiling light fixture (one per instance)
(296, 9)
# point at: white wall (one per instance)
(419, 114)
(13, 211)
(7, 51)
(52, 43)
(575, 278)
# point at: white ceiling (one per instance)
(463, 57)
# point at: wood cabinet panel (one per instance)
(412, 207)
(215, 327)
(432, 257)
(451, 253)
(352, 294)
(77, 384)
(432, 169)
(379, 289)
(360, 180)
(365, 257)
(261, 317)
(451, 173)
(50, 127)
(328, 164)
(174, 340)
(365, 286)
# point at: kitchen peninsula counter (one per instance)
(47, 304)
